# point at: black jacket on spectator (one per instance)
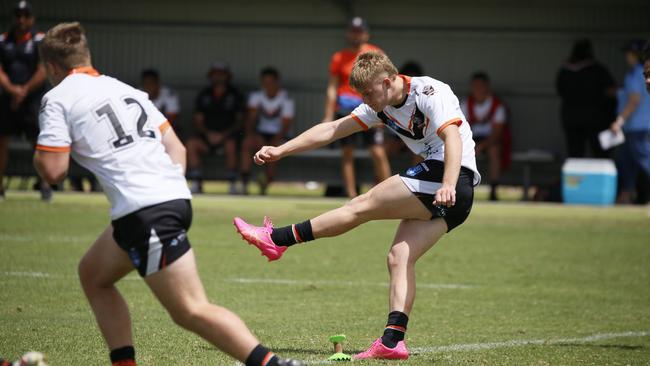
(587, 108)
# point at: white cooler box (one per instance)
(589, 181)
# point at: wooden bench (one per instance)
(324, 165)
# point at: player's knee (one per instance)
(189, 315)
(87, 274)
(360, 206)
(398, 257)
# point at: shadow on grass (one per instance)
(282, 350)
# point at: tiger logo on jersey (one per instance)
(417, 122)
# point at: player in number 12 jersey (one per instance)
(115, 132)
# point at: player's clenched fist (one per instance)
(446, 196)
(267, 154)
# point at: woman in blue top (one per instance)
(634, 120)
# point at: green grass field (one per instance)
(515, 285)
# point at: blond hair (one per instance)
(65, 44)
(368, 66)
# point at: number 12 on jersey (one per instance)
(122, 138)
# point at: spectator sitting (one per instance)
(218, 123)
(164, 98)
(487, 117)
(270, 114)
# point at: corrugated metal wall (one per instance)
(521, 44)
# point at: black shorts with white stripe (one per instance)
(425, 179)
(155, 236)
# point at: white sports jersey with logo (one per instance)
(430, 106)
(271, 111)
(114, 131)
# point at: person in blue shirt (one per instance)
(634, 121)
(646, 66)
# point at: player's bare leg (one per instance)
(179, 290)
(347, 170)
(102, 266)
(390, 199)
(412, 240)
(380, 162)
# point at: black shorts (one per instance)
(155, 236)
(425, 179)
(23, 120)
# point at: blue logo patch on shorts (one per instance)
(411, 172)
(135, 257)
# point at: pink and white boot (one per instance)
(380, 352)
(260, 237)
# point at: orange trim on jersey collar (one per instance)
(407, 80)
(58, 149)
(88, 70)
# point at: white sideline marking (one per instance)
(27, 274)
(524, 342)
(512, 343)
(49, 275)
(38, 239)
(340, 283)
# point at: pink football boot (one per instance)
(381, 352)
(260, 237)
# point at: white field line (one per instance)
(27, 274)
(527, 342)
(56, 276)
(257, 281)
(37, 239)
(272, 281)
(508, 344)
(420, 350)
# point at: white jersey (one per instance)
(271, 111)
(429, 107)
(113, 130)
(167, 101)
(482, 128)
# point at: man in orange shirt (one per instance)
(342, 99)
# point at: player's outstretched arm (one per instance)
(315, 137)
(175, 148)
(52, 166)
